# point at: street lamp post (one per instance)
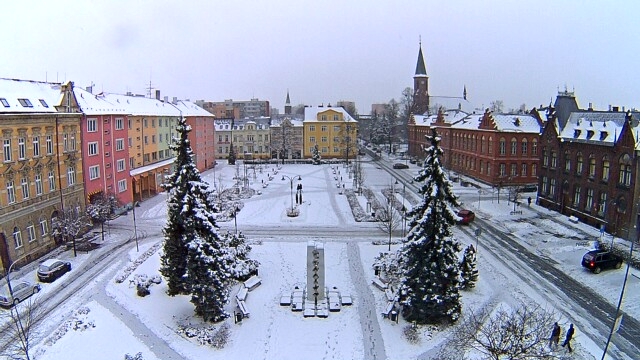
(291, 185)
(235, 217)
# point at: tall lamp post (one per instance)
(299, 178)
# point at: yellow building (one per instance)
(41, 169)
(251, 138)
(333, 130)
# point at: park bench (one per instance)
(379, 284)
(243, 308)
(346, 299)
(517, 212)
(242, 294)
(388, 309)
(253, 282)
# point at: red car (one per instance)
(467, 216)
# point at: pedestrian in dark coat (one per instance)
(567, 340)
(555, 336)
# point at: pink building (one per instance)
(105, 152)
(202, 135)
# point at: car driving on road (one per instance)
(598, 260)
(400, 166)
(52, 269)
(21, 290)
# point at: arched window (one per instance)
(482, 149)
(545, 157)
(524, 146)
(579, 164)
(490, 146)
(592, 166)
(625, 170)
(606, 168)
(554, 159)
(514, 146)
(576, 195)
(503, 146)
(567, 161)
(534, 147)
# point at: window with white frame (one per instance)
(73, 142)
(49, 141)
(323, 139)
(36, 146)
(11, 192)
(52, 181)
(576, 195)
(71, 175)
(94, 172)
(93, 148)
(38, 181)
(336, 128)
(6, 147)
(65, 142)
(120, 165)
(119, 123)
(17, 237)
(22, 148)
(92, 125)
(43, 227)
(119, 144)
(324, 128)
(122, 185)
(589, 203)
(24, 184)
(31, 233)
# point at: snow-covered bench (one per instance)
(285, 299)
(243, 308)
(387, 311)
(391, 296)
(346, 299)
(379, 284)
(242, 294)
(253, 282)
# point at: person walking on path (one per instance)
(567, 340)
(555, 336)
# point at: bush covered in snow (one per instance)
(358, 213)
(216, 337)
(133, 265)
(410, 333)
(137, 356)
(143, 282)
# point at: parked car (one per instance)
(412, 160)
(598, 260)
(52, 269)
(400, 166)
(21, 290)
(467, 216)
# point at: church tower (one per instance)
(420, 86)
(287, 105)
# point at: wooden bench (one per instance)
(243, 308)
(253, 282)
(517, 212)
(387, 310)
(242, 294)
(391, 296)
(379, 284)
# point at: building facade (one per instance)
(41, 172)
(286, 138)
(333, 130)
(251, 138)
(202, 135)
(237, 109)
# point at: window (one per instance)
(545, 157)
(592, 166)
(336, 128)
(120, 165)
(482, 145)
(43, 227)
(589, 204)
(312, 139)
(65, 142)
(554, 159)
(17, 237)
(567, 161)
(602, 203)
(324, 117)
(22, 148)
(324, 128)
(92, 125)
(625, 170)
(534, 147)
(524, 146)
(11, 192)
(7, 149)
(545, 186)
(146, 123)
(36, 146)
(71, 175)
(38, 181)
(335, 149)
(93, 148)
(24, 184)
(514, 169)
(122, 185)
(552, 187)
(119, 123)
(52, 181)
(153, 122)
(31, 233)
(534, 169)
(166, 137)
(503, 146)
(49, 141)
(514, 146)
(503, 169)
(606, 169)
(579, 164)
(119, 144)
(153, 139)
(524, 170)
(43, 103)
(312, 128)
(488, 168)
(576, 196)
(25, 103)
(4, 102)
(324, 139)
(94, 172)
(146, 140)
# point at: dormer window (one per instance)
(44, 103)
(25, 103)
(576, 133)
(516, 122)
(603, 135)
(590, 134)
(4, 102)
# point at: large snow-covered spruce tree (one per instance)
(428, 262)
(188, 197)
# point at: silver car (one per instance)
(21, 290)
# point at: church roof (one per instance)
(288, 102)
(421, 68)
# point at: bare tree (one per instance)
(505, 333)
(359, 174)
(69, 225)
(496, 106)
(101, 208)
(388, 217)
(21, 330)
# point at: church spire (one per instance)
(287, 105)
(420, 86)
(421, 69)
(464, 92)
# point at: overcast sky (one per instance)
(520, 51)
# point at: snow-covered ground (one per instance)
(120, 322)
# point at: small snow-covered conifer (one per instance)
(468, 271)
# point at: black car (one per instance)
(598, 260)
(52, 269)
(400, 166)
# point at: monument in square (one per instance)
(315, 272)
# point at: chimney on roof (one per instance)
(623, 110)
(175, 100)
(166, 99)
(129, 93)
(616, 109)
(609, 107)
(90, 89)
(157, 94)
(590, 107)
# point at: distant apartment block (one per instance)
(237, 109)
